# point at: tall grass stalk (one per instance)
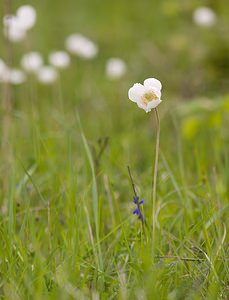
(155, 172)
(94, 196)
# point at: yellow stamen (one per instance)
(148, 97)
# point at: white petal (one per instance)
(143, 106)
(135, 92)
(153, 104)
(153, 83)
(158, 94)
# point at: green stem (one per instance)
(155, 172)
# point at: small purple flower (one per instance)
(136, 200)
(137, 211)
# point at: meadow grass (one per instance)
(66, 224)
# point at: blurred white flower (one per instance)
(3, 71)
(81, 46)
(13, 29)
(15, 34)
(204, 16)
(115, 68)
(16, 76)
(26, 15)
(31, 62)
(13, 76)
(59, 59)
(147, 96)
(47, 75)
(2, 66)
(7, 20)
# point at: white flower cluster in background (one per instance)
(115, 68)
(16, 26)
(33, 63)
(15, 29)
(204, 16)
(80, 45)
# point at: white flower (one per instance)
(204, 16)
(115, 68)
(147, 96)
(31, 62)
(2, 66)
(16, 76)
(13, 29)
(59, 59)
(26, 16)
(13, 76)
(81, 46)
(7, 20)
(47, 75)
(15, 34)
(3, 71)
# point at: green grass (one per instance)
(66, 224)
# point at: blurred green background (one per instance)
(156, 38)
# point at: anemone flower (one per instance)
(26, 15)
(16, 76)
(147, 96)
(47, 75)
(13, 29)
(31, 62)
(204, 17)
(59, 59)
(115, 68)
(80, 45)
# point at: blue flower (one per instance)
(136, 200)
(137, 211)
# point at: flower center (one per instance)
(148, 97)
